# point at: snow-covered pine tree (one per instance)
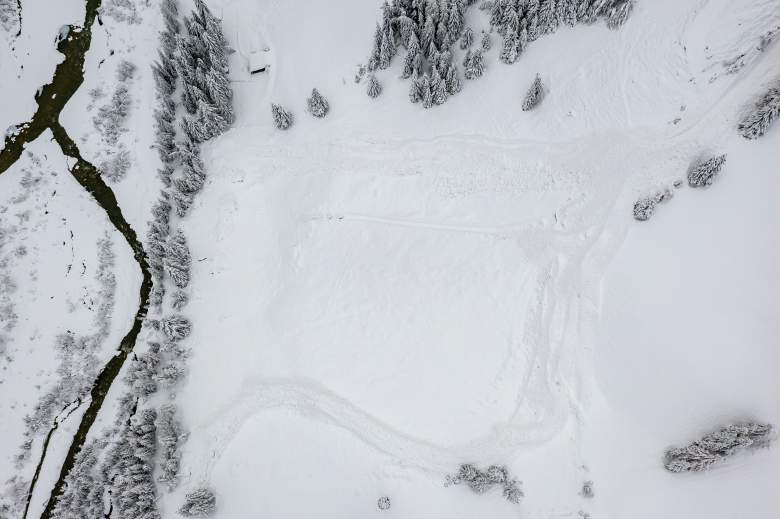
(567, 12)
(703, 173)
(415, 89)
(476, 65)
(438, 87)
(373, 59)
(428, 37)
(619, 13)
(718, 446)
(764, 112)
(522, 41)
(548, 18)
(487, 43)
(170, 13)
(206, 123)
(176, 327)
(452, 80)
(467, 39)
(221, 95)
(413, 60)
(178, 260)
(169, 436)
(374, 87)
(386, 51)
(535, 94)
(317, 105)
(427, 93)
(509, 51)
(199, 503)
(282, 118)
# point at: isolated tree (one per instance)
(717, 446)
(383, 503)
(534, 95)
(374, 88)
(282, 118)
(703, 173)
(199, 503)
(762, 115)
(317, 105)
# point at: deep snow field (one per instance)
(386, 293)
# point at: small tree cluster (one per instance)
(535, 95)
(129, 466)
(282, 118)
(85, 488)
(428, 30)
(645, 207)
(156, 241)
(191, 178)
(717, 446)
(317, 105)
(178, 260)
(201, 60)
(762, 115)
(199, 503)
(115, 167)
(169, 437)
(110, 118)
(703, 173)
(480, 482)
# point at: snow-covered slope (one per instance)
(386, 293)
(391, 291)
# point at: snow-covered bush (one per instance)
(374, 87)
(534, 95)
(383, 503)
(176, 327)
(125, 71)
(645, 207)
(717, 446)
(317, 105)
(764, 112)
(282, 118)
(114, 168)
(200, 503)
(480, 482)
(9, 16)
(587, 490)
(703, 173)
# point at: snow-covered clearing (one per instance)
(386, 293)
(389, 292)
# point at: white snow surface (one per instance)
(386, 293)
(389, 292)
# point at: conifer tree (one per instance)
(282, 118)
(467, 39)
(548, 18)
(509, 51)
(415, 89)
(535, 94)
(317, 105)
(438, 88)
(413, 60)
(200, 503)
(764, 112)
(374, 88)
(427, 93)
(475, 66)
(487, 43)
(178, 260)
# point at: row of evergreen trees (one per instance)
(194, 104)
(428, 30)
